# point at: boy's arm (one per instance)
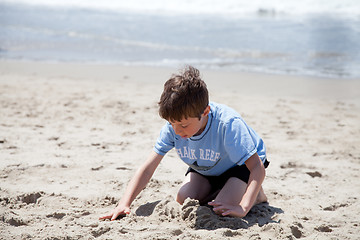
(257, 175)
(135, 186)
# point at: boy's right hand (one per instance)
(120, 210)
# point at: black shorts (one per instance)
(218, 182)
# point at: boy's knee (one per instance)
(184, 193)
(180, 200)
(181, 196)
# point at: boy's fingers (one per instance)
(214, 203)
(114, 216)
(223, 210)
(127, 211)
(105, 217)
(220, 209)
(228, 212)
(122, 214)
(109, 215)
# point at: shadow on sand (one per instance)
(202, 216)
(260, 215)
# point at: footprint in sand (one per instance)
(335, 206)
(314, 174)
(323, 228)
(30, 198)
(296, 230)
(100, 231)
(15, 221)
(56, 215)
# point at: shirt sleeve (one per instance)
(165, 141)
(238, 141)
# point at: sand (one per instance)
(72, 135)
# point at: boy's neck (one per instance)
(205, 120)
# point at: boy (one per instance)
(225, 156)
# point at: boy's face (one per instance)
(189, 127)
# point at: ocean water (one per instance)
(316, 38)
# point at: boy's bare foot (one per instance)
(261, 197)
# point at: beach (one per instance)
(73, 134)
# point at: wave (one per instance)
(315, 45)
(222, 7)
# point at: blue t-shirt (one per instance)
(226, 141)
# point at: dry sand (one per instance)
(72, 135)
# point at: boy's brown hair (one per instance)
(184, 96)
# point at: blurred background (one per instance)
(310, 37)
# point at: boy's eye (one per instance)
(184, 126)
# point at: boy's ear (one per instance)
(206, 111)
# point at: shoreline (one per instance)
(256, 83)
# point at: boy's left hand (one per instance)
(228, 210)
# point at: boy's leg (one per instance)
(261, 197)
(234, 190)
(194, 186)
